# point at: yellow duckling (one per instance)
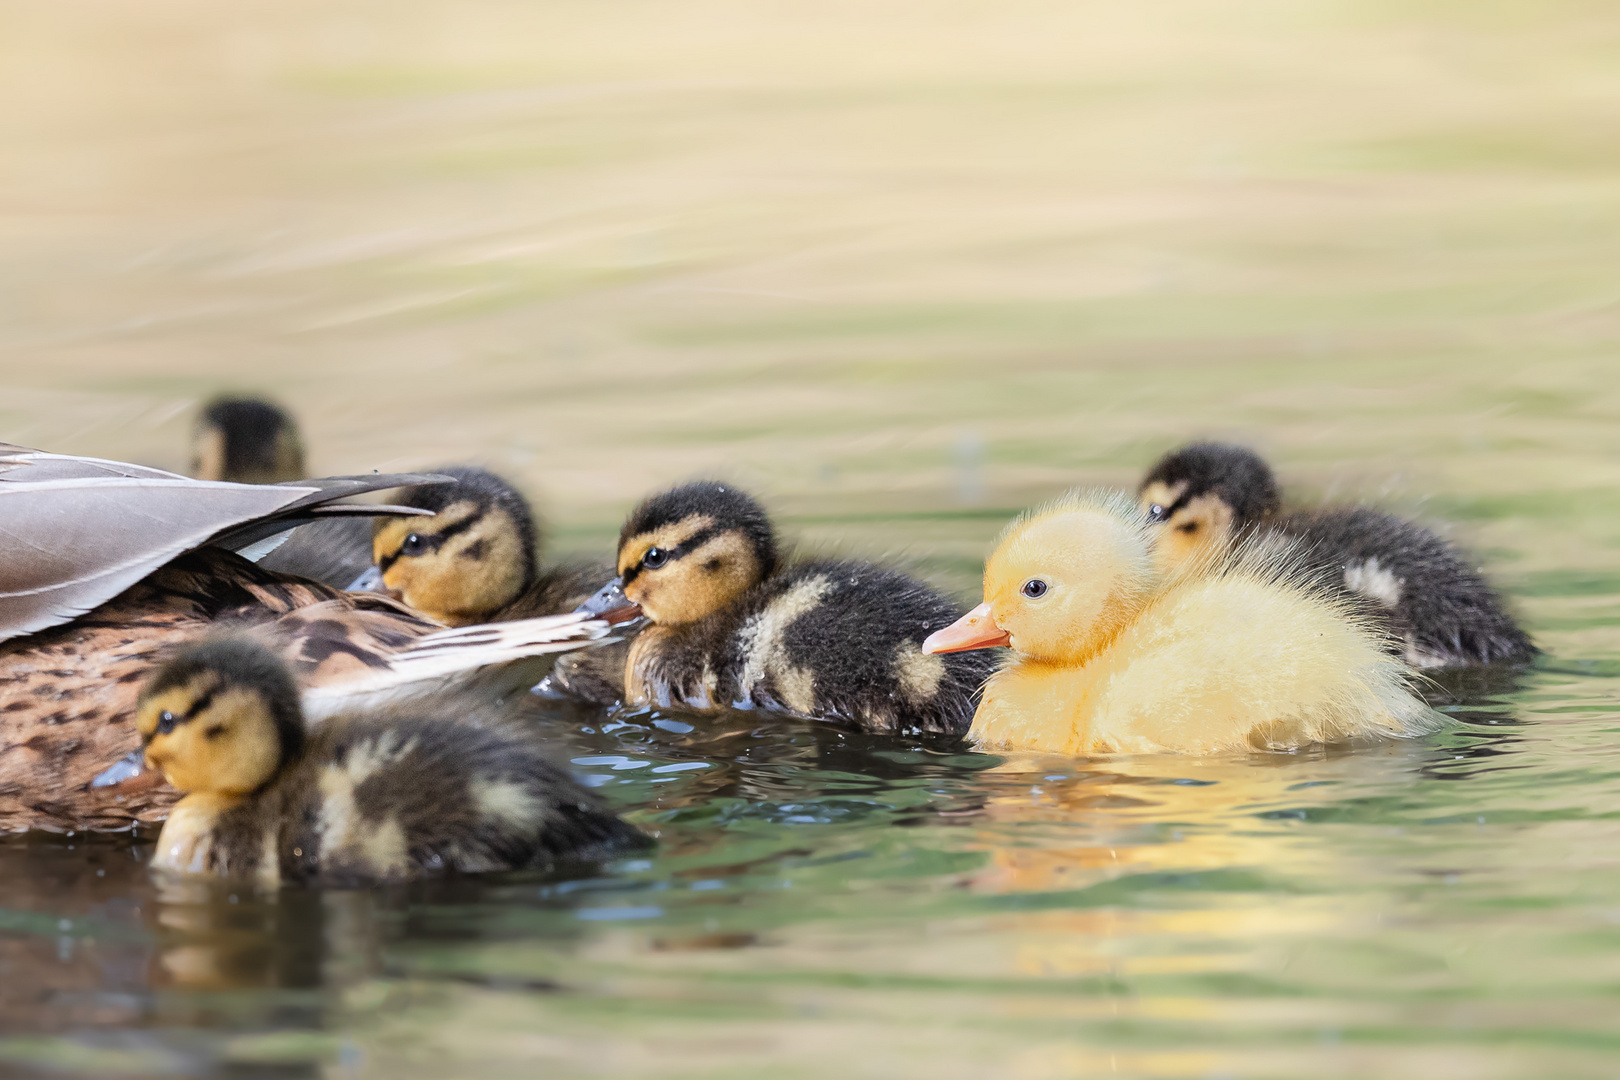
(246, 441)
(1115, 657)
(380, 795)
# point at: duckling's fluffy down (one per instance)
(1247, 653)
(448, 784)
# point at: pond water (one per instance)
(902, 270)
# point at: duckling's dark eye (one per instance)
(654, 558)
(166, 722)
(413, 545)
(1034, 588)
(1157, 513)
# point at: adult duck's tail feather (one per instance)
(428, 663)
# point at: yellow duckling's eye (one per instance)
(654, 558)
(1034, 588)
(413, 545)
(1157, 513)
(166, 722)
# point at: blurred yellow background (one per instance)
(864, 257)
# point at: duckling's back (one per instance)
(829, 640)
(451, 786)
(1248, 655)
(1444, 610)
(843, 640)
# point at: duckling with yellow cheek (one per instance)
(1111, 656)
(728, 626)
(1206, 497)
(474, 560)
(444, 785)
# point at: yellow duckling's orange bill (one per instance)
(975, 630)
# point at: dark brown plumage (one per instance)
(442, 785)
(1427, 592)
(67, 695)
(728, 626)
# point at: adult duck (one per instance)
(106, 567)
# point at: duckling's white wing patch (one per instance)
(765, 655)
(918, 673)
(1374, 582)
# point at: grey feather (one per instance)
(75, 531)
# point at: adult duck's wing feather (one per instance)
(321, 503)
(21, 464)
(69, 545)
(75, 532)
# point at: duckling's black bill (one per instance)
(610, 604)
(128, 774)
(370, 581)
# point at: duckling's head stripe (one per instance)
(1237, 475)
(729, 509)
(433, 541)
(229, 663)
(685, 547)
(483, 489)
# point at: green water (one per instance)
(825, 904)
(902, 269)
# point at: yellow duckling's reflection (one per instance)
(1050, 828)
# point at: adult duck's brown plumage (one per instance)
(105, 567)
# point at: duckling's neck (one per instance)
(186, 844)
(1120, 612)
(661, 655)
(1037, 705)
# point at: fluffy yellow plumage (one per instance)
(1114, 657)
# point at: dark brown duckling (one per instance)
(1206, 495)
(729, 626)
(444, 785)
(246, 440)
(475, 560)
